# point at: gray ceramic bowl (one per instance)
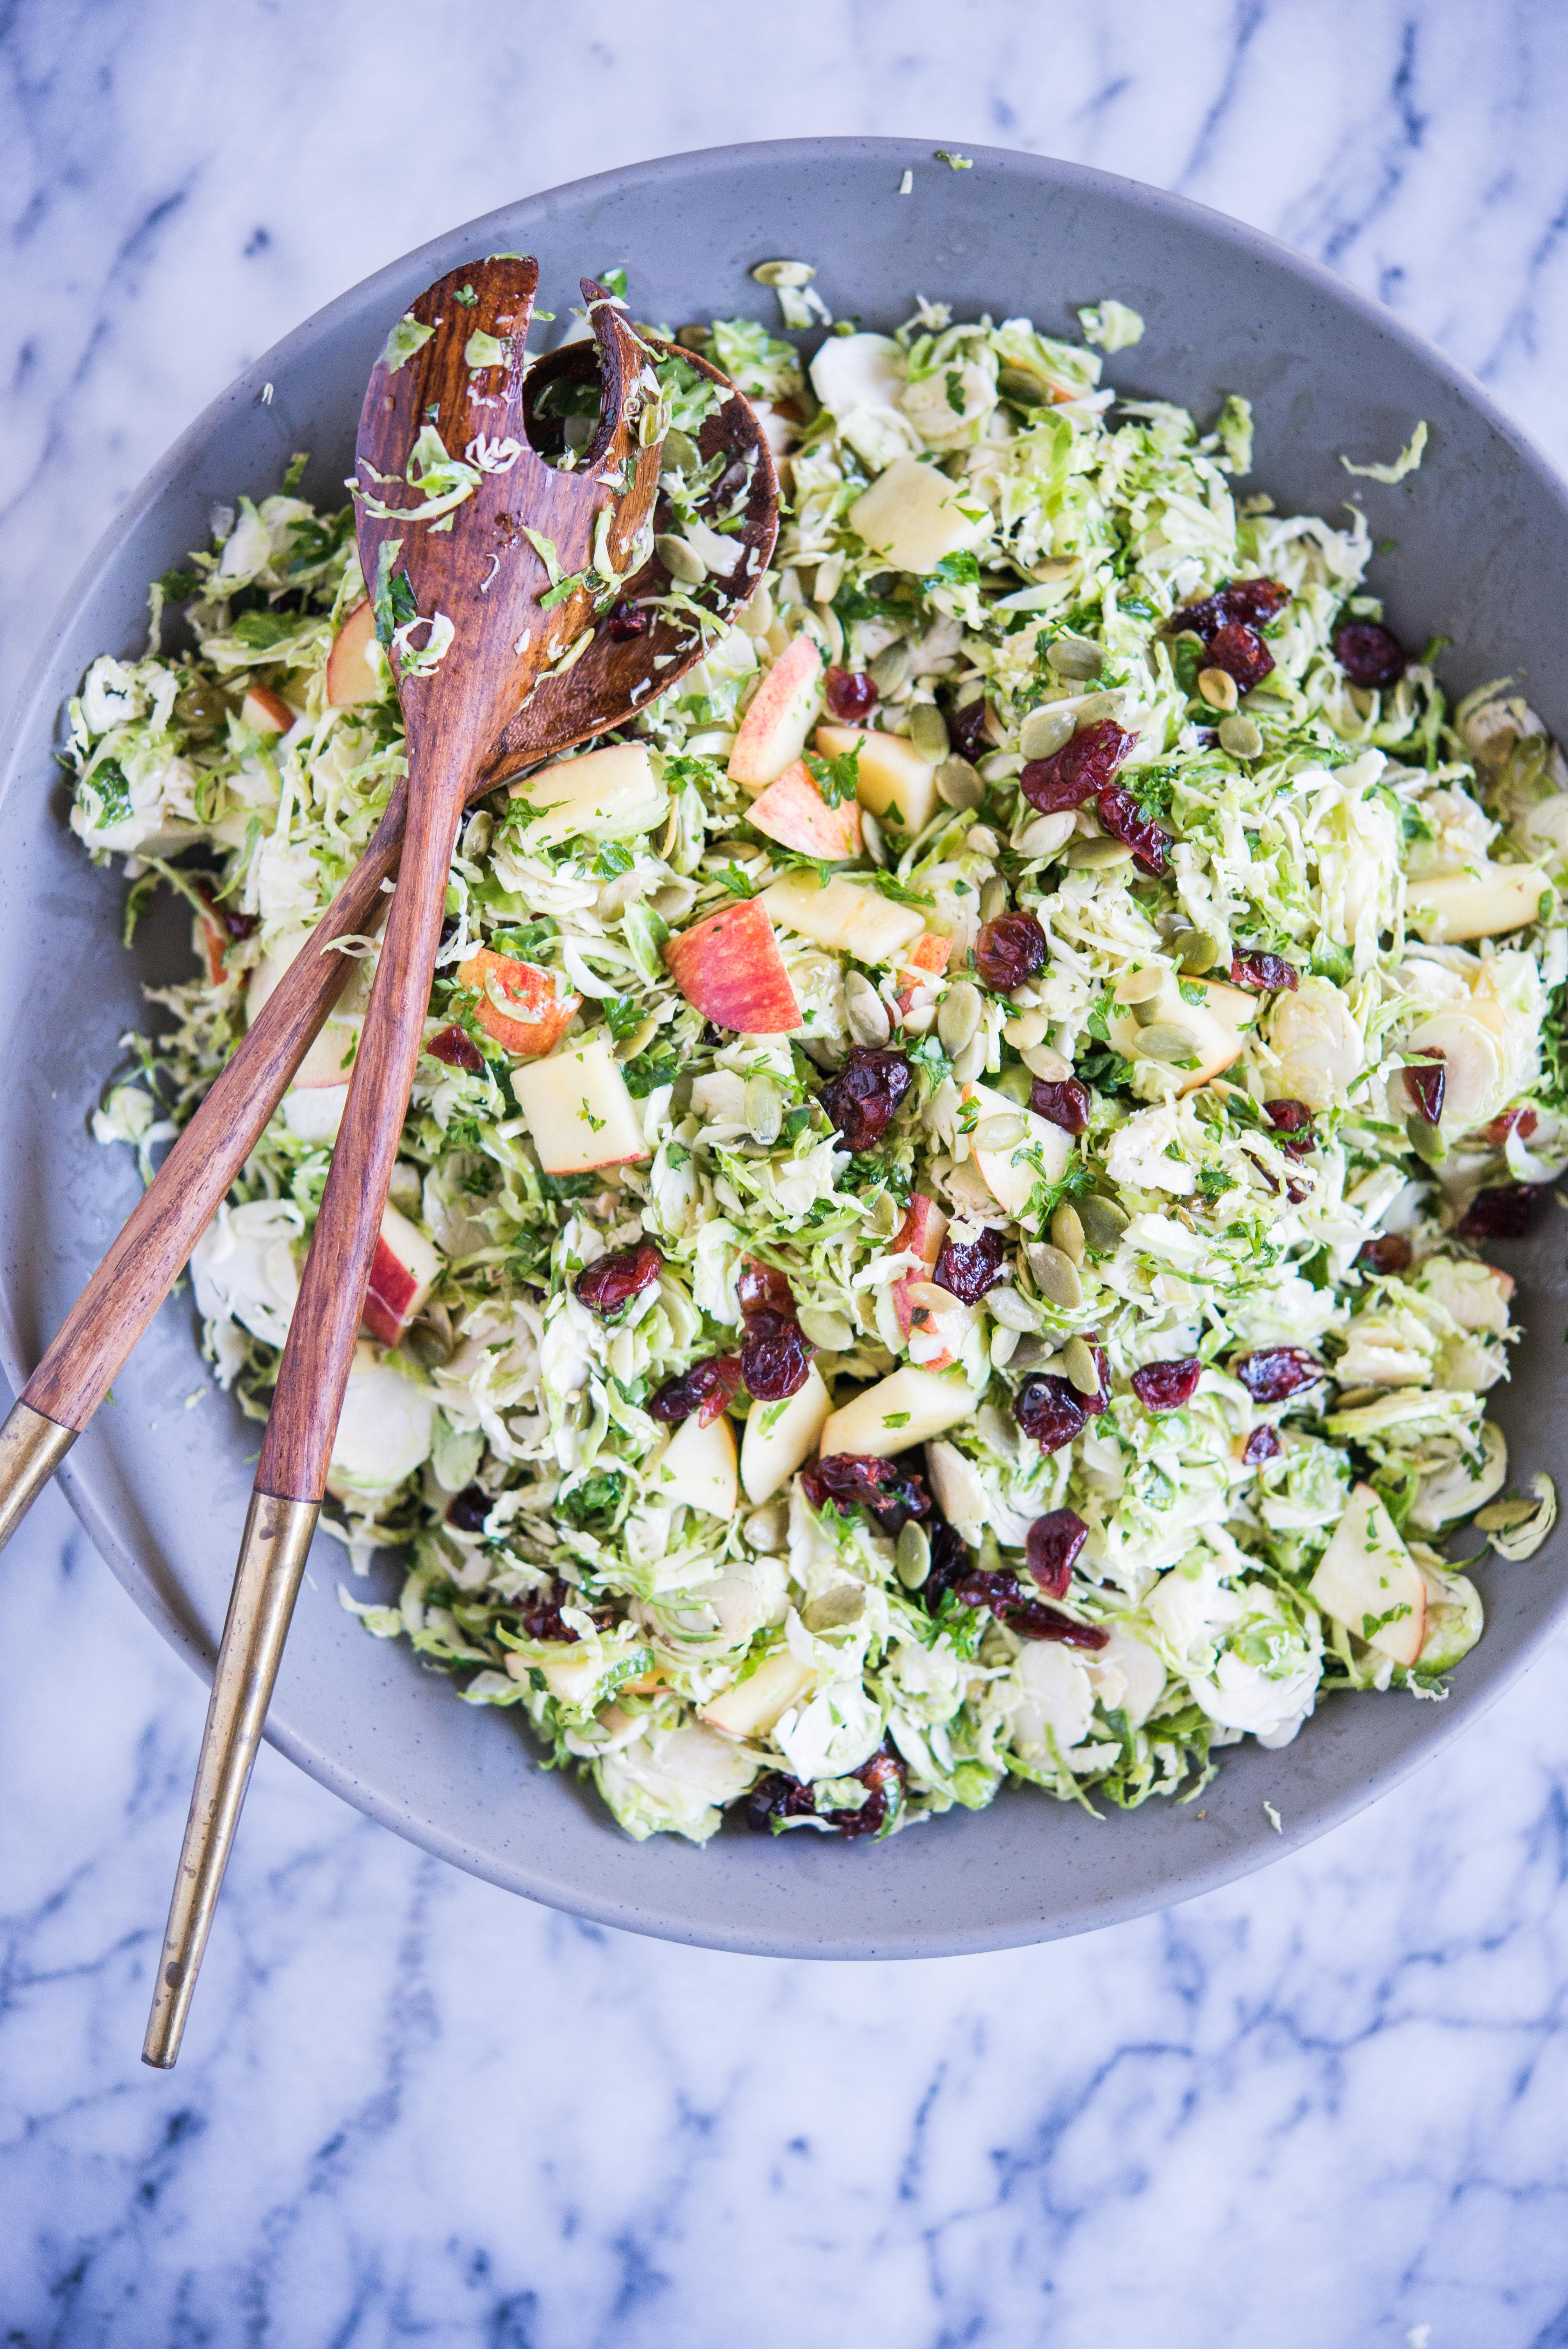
(1482, 555)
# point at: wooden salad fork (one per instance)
(602, 690)
(488, 600)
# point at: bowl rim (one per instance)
(78, 1479)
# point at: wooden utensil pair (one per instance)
(496, 611)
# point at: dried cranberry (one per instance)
(1051, 1410)
(1288, 1116)
(1371, 657)
(862, 1100)
(1505, 1213)
(626, 621)
(1166, 1386)
(1275, 1372)
(890, 1493)
(1253, 602)
(1426, 1086)
(1051, 1548)
(967, 731)
(1522, 1121)
(949, 1563)
(775, 1358)
(1121, 816)
(776, 1796)
(1264, 974)
(1072, 775)
(237, 926)
(1242, 652)
(707, 1388)
(1262, 1444)
(851, 694)
(470, 1508)
(540, 1612)
(970, 1268)
(763, 1284)
(615, 1279)
(458, 1050)
(1390, 1252)
(1009, 950)
(1062, 1102)
(1033, 1622)
(999, 1591)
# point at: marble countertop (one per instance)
(1324, 2105)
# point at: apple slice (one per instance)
(604, 793)
(352, 674)
(730, 968)
(793, 812)
(755, 1706)
(927, 958)
(774, 729)
(895, 782)
(1219, 1025)
(696, 1466)
(1486, 904)
(923, 1229)
(330, 1059)
(580, 1115)
(844, 917)
(910, 1407)
(543, 1012)
(404, 1270)
(384, 1430)
(1368, 1581)
(912, 515)
(264, 711)
(1010, 1175)
(316, 1112)
(779, 1436)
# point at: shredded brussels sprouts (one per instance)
(939, 1198)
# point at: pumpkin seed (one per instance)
(1047, 834)
(1169, 1042)
(680, 560)
(1028, 1354)
(1094, 707)
(692, 338)
(1241, 737)
(1135, 987)
(1004, 1346)
(1080, 1363)
(970, 1062)
(1100, 855)
(888, 1216)
(824, 1328)
(1028, 1028)
(912, 1555)
(829, 580)
(1001, 766)
(1017, 1084)
(869, 1021)
(674, 900)
(202, 705)
(1498, 1517)
(1067, 1231)
(1147, 1013)
(871, 834)
(992, 899)
(958, 1016)
(764, 1109)
(768, 1528)
(679, 454)
(1012, 1312)
(1197, 950)
(427, 1346)
(1218, 688)
(1045, 731)
(928, 730)
(1055, 1277)
(959, 784)
(1103, 1222)
(784, 273)
(1426, 1141)
(845, 1604)
(1044, 1060)
(983, 841)
(890, 667)
(999, 1133)
(1074, 656)
(641, 1037)
(756, 615)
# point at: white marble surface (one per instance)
(1323, 2107)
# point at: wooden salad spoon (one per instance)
(490, 595)
(602, 690)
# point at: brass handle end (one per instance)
(31, 1448)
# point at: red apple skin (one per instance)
(730, 968)
(793, 812)
(543, 1017)
(387, 1298)
(927, 958)
(266, 712)
(774, 729)
(923, 1229)
(350, 679)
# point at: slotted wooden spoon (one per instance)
(489, 575)
(602, 690)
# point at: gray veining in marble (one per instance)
(1325, 2106)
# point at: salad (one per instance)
(935, 1237)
